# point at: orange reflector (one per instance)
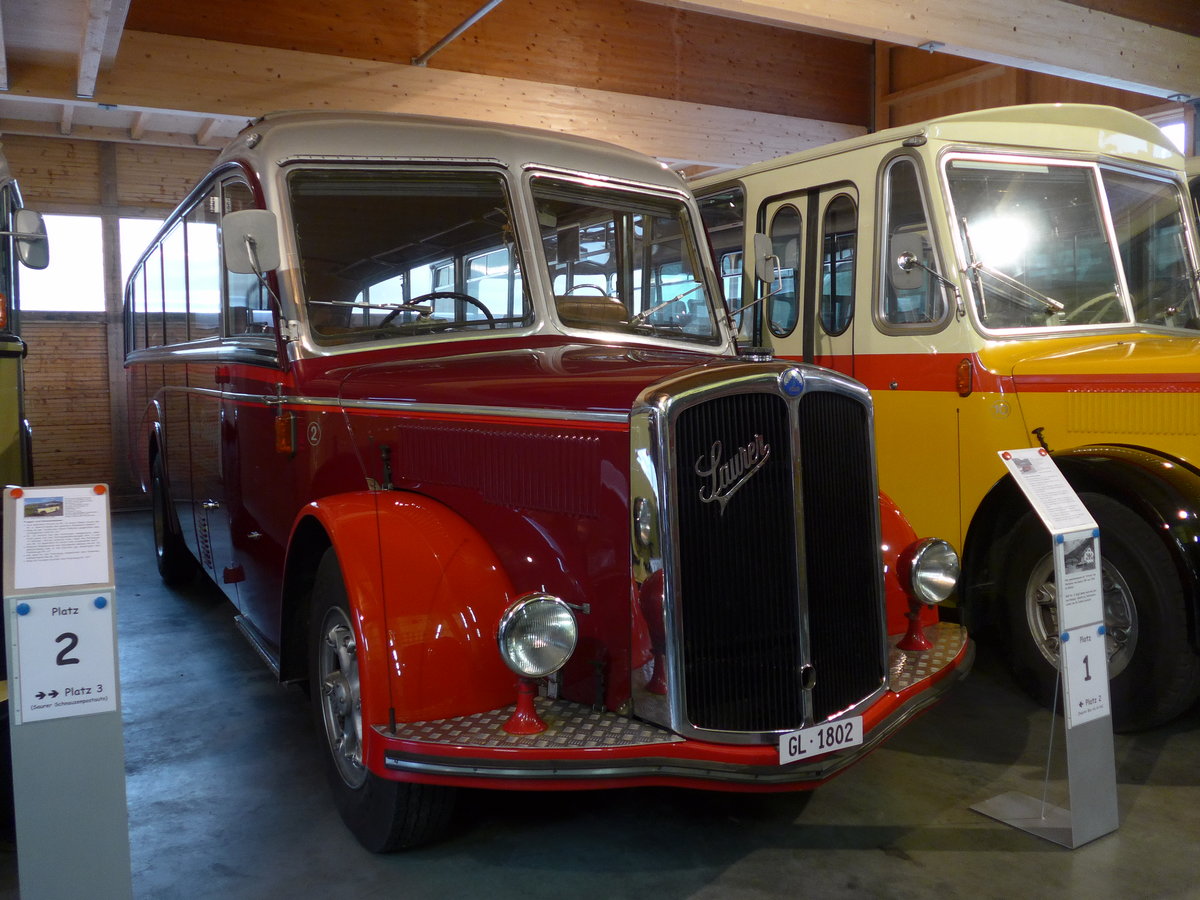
(285, 433)
(962, 377)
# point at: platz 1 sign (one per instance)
(1077, 584)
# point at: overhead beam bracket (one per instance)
(455, 32)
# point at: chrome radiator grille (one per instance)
(841, 551)
(767, 589)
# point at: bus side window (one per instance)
(247, 311)
(838, 251)
(204, 268)
(724, 216)
(786, 229)
(904, 217)
(174, 288)
(138, 321)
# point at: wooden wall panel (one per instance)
(54, 174)
(1048, 89)
(74, 379)
(915, 85)
(67, 400)
(63, 174)
(623, 46)
(158, 177)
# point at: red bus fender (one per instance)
(426, 593)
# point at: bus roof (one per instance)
(1076, 127)
(382, 137)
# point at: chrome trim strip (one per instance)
(650, 767)
(514, 412)
(503, 412)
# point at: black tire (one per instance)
(384, 815)
(1154, 675)
(176, 565)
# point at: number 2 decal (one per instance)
(72, 641)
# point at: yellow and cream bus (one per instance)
(1006, 278)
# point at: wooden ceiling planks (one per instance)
(161, 72)
(622, 46)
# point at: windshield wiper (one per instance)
(1049, 304)
(640, 318)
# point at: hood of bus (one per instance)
(1094, 360)
(1127, 388)
(572, 378)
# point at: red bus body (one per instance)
(477, 458)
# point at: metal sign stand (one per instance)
(68, 752)
(1083, 667)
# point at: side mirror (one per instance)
(765, 261)
(251, 241)
(33, 248)
(906, 268)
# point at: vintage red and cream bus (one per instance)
(998, 279)
(451, 413)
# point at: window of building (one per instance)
(74, 280)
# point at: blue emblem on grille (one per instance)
(792, 382)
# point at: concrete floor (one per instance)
(226, 798)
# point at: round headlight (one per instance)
(932, 570)
(537, 635)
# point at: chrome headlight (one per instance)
(537, 635)
(930, 568)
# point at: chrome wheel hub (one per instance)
(340, 699)
(1120, 614)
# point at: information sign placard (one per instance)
(1078, 622)
(65, 662)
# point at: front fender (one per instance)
(1165, 493)
(426, 593)
(897, 535)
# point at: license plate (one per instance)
(809, 742)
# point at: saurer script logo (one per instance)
(725, 477)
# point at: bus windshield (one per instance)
(624, 262)
(388, 254)
(1051, 244)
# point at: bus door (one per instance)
(209, 422)
(258, 474)
(912, 344)
(814, 236)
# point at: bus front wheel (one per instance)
(1154, 675)
(384, 815)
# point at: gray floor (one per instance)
(226, 798)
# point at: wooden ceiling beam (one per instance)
(215, 78)
(101, 35)
(1049, 36)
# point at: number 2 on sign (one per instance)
(72, 641)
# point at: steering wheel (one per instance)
(1103, 301)
(411, 305)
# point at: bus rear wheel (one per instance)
(1154, 675)
(176, 565)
